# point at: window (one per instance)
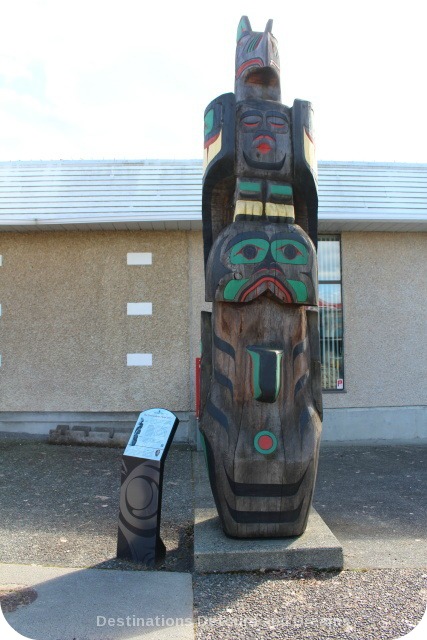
(330, 312)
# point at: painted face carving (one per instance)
(252, 259)
(263, 130)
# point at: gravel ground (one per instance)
(12, 597)
(60, 505)
(373, 498)
(353, 605)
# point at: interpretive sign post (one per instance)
(141, 487)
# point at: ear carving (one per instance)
(244, 27)
(269, 26)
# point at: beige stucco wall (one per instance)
(385, 320)
(196, 301)
(65, 333)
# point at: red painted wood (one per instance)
(198, 374)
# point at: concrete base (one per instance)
(317, 547)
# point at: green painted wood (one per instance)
(261, 394)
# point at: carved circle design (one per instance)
(139, 493)
(265, 442)
(139, 496)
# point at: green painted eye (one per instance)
(209, 121)
(289, 252)
(249, 251)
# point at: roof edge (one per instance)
(195, 161)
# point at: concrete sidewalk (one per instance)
(98, 604)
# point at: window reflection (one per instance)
(330, 312)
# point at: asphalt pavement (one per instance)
(60, 580)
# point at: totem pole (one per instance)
(261, 403)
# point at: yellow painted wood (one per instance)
(310, 152)
(279, 210)
(248, 208)
(211, 151)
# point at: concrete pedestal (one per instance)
(317, 547)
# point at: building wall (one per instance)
(385, 323)
(385, 320)
(385, 350)
(65, 333)
(196, 302)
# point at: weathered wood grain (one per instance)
(261, 394)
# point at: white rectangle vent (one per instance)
(139, 258)
(139, 308)
(139, 359)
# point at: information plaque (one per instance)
(141, 487)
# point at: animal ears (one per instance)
(243, 28)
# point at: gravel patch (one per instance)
(373, 498)
(60, 505)
(13, 597)
(367, 605)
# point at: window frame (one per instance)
(339, 282)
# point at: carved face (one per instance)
(250, 259)
(264, 135)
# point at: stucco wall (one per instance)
(196, 302)
(65, 333)
(385, 320)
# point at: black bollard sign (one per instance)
(141, 487)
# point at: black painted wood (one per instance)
(261, 394)
(141, 496)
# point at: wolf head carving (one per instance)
(257, 63)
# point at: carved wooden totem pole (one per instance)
(261, 404)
